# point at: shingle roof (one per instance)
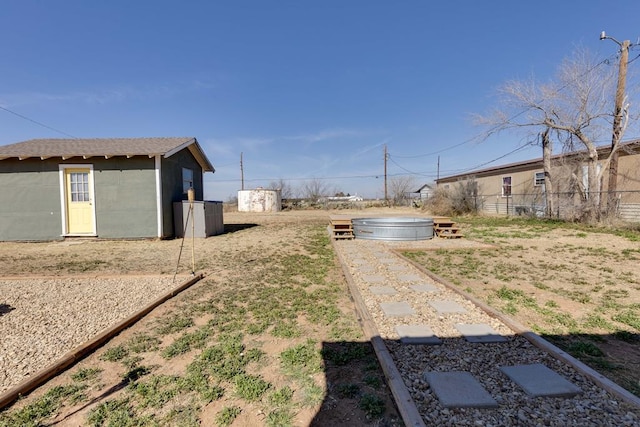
(630, 147)
(104, 147)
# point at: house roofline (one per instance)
(530, 164)
(105, 147)
(196, 151)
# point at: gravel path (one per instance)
(372, 264)
(43, 319)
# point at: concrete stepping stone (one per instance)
(397, 267)
(409, 278)
(444, 307)
(382, 290)
(365, 268)
(373, 278)
(424, 288)
(397, 309)
(417, 334)
(537, 380)
(387, 261)
(479, 333)
(459, 389)
(359, 261)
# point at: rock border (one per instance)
(406, 406)
(84, 350)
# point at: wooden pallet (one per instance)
(445, 228)
(341, 227)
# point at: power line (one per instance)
(493, 129)
(522, 147)
(637, 56)
(37, 122)
(404, 169)
(515, 116)
(322, 178)
(460, 171)
(416, 156)
(407, 172)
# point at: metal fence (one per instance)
(565, 205)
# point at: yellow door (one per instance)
(79, 201)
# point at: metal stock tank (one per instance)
(400, 228)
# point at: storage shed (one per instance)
(103, 187)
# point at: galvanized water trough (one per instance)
(400, 228)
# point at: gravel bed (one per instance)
(43, 319)
(366, 258)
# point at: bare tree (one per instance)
(400, 187)
(576, 107)
(286, 191)
(315, 189)
(547, 151)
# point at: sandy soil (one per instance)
(593, 259)
(224, 260)
(578, 289)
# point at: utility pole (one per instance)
(386, 197)
(438, 170)
(241, 172)
(618, 112)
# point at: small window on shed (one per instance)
(187, 180)
(506, 186)
(538, 179)
(79, 186)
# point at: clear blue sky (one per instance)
(305, 90)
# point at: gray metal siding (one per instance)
(630, 212)
(125, 197)
(172, 185)
(29, 200)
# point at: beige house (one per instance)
(519, 188)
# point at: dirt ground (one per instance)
(230, 262)
(578, 288)
(242, 240)
(589, 272)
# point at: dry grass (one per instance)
(578, 287)
(269, 337)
